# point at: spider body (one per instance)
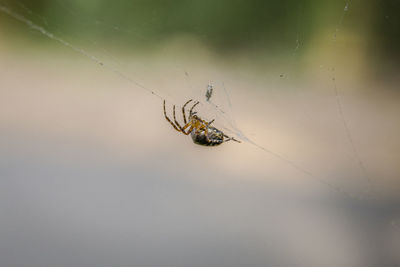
(214, 137)
(200, 130)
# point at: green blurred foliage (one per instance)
(224, 25)
(386, 27)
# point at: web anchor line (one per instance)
(95, 59)
(98, 61)
(345, 123)
(78, 50)
(350, 138)
(235, 130)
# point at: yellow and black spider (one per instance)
(200, 130)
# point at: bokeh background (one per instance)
(91, 174)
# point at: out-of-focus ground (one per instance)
(91, 174)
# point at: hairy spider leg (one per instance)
(190, 129)
(230, 138)
(176, 122)
(177, 126)
(206, 128)
(184, 127)
(203, 127)
(166, 117)
(183, 110)
(199, 124)
(191, 110)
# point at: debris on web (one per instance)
(209, 92)
(215, 99)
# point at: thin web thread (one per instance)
(350, 137)
(345, 9)
(111, 57)
(42, 30)
(239, 133)
(234, 129)
(96, 22)
(340, 108)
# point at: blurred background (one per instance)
(91, 174)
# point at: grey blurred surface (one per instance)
(92, 174)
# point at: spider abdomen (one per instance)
(214, 137)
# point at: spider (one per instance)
(200, 130)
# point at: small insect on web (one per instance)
(223, 112)
(209, 91)
(201, 131)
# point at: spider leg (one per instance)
(206, 133)
(207, 124)
(176, 122)
(190, 129)
(183, 110)
(191, 110)
(166, 117)
(230, 138)
(184, 127)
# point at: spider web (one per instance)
(217, 103)
(221, 98)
